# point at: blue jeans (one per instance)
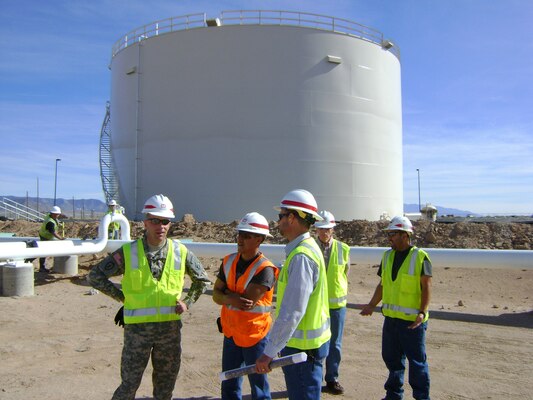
(304, 380)
(337, 317)
(398, 342)
(234, 356)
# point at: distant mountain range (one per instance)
(68, 206)
(78, 206)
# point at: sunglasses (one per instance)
(280, 216)
(157, 221)
(392, 234)
(245, 235)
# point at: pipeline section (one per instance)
(15, 249)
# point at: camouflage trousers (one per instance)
(161, 340)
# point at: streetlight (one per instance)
(55, 184)
(419, 206)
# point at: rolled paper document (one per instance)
(275, 363)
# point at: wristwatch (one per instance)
(423, 313)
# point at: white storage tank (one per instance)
(226, 115)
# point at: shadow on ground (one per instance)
(517, 320)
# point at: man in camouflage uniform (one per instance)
(154, 268)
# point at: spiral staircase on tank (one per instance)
(107, 169)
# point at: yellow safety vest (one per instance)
(313, 330)
(45, 233)
(114, 226)
(402, 297)
(337, 279)
(146, 299)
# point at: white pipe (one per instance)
(473, 258)
(469, 258)
(14, 250)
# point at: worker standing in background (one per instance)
(50, 231)
(337, 261)
(153, 270)
(405, 289)
(244, 288)
(114, 227)
(302, 312)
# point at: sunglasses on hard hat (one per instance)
(157, 221)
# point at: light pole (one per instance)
(419, 206)
(55, 184)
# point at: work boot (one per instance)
(334, 388)
(44, 270)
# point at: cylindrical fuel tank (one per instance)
(226, 119)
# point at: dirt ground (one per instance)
(62, 343)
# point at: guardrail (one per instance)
(13, 210)
(255, 17)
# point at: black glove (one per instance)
(119, 318)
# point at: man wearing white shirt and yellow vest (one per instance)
(405, 290)
(154, 269)
(302, 312)
(337, 261)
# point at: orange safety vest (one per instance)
(246, 327)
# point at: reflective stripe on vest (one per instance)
(45, 233)
(405, 310)
(256, 309)
(336, 272)
(246, 327)
(142, 312)
(227, 267)
(311, 334)
(147, 299)
(406, 287)
(313, 329)
(135, 257)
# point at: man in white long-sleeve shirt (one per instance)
(302, 312)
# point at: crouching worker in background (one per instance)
(154, 269)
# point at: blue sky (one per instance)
(467, 91)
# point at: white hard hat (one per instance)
(112, 203)
(300, 199)
(400, 224)
(55, 210)
(255, 223)
(160, 206)
(328, 220)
